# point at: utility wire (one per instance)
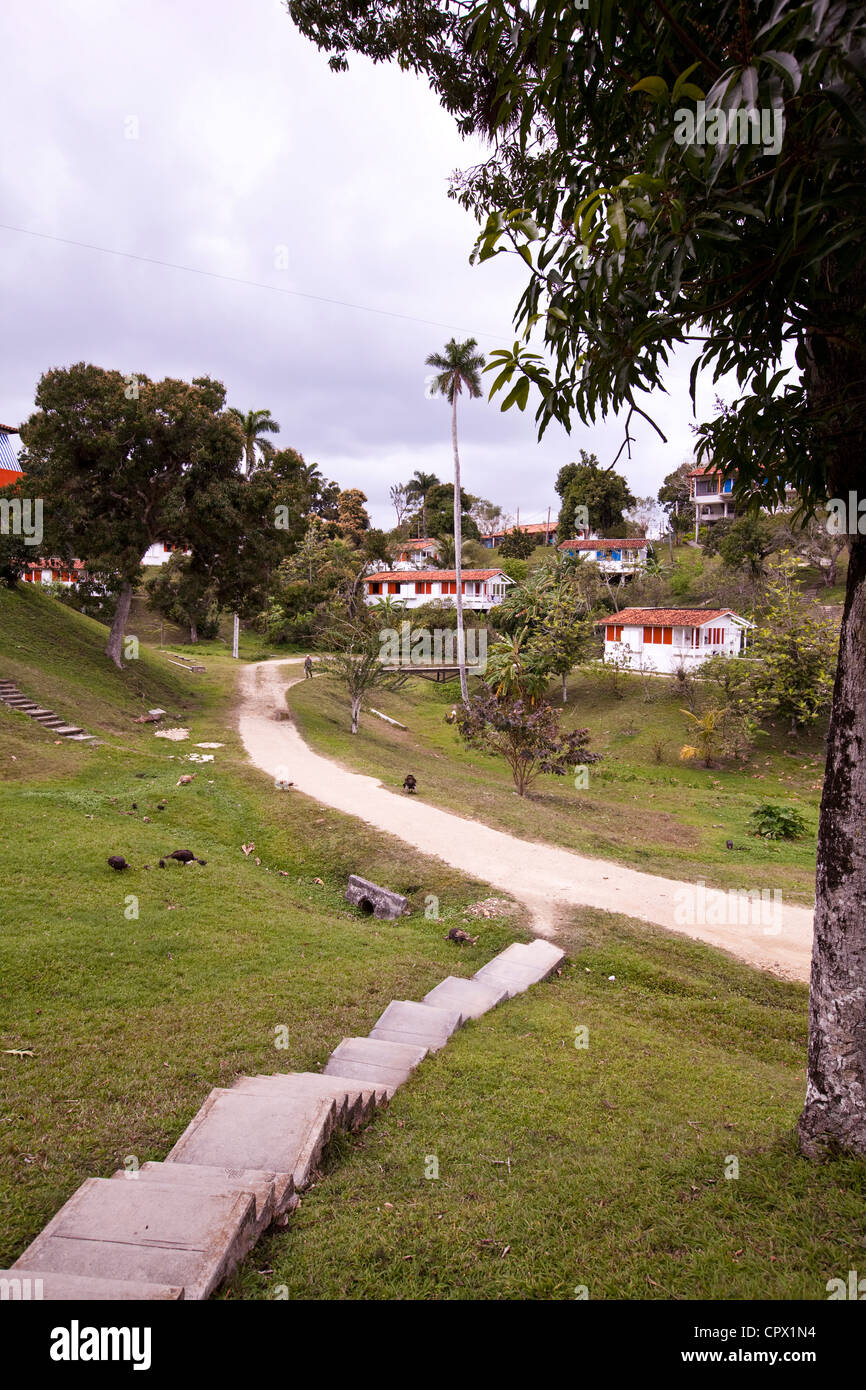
(236, 280)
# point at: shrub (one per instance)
(777, 822)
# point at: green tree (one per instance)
(527, 736)
(676, 503)
(416, 491)
(185, 596)
(123, 462)
(797, 651)
(602, 493)
(747, 544)
(641, 233)
(354, 661)
(517, 545)
(255, 426)
(440, 512)
(458, 369)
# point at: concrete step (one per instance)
(203, 1179)
(65, 730)
(37, 713)
(375, 1061)
(423, 1025)
(44, 1286)
(156, 1233)
(356, 1104)
(81, 738)
(280, 1134)
(519, 967)
(471, 997)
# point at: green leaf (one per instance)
(655, 87)
(616, 222)
(679, 86)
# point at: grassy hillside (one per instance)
(643, 806)
(608, 1166)
(132, 1020)
(559, 1166)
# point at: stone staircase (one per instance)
(10, 695)
(178, 1229)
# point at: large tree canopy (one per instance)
(121, 462)
(640, 236)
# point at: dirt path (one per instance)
(541, 876)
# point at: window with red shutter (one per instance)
(668, 635)
(647, 634)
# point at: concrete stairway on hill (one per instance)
(10, 695)
(178, 1229)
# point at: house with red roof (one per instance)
(624, 558)
(482, 589)
(663, 640)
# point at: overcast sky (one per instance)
(212, 136)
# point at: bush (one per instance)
(777, 822)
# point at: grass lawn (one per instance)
(602, 1166)
(643, 807)
(133, 1020)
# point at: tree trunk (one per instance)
(834, 1115)
(236, 623)
(193, 634)
(114, 648)
(458, 562)
(564, 688)
(356, 712)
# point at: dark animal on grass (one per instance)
(118, 862)
(729, 844)
(459, 936)
(410, 783)
(183, 856)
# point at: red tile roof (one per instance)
(411, 576)
(630, 543)
(665, 617)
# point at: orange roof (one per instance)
(8, 476)
(665, 617)
(404, 576)
(629, 543)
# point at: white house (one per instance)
(663, 639)
(482, 589)
(418, 552)
(160, 554)
(53, 571)
(711, 493)
(621, 557)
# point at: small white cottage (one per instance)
(663, 639)
(482, 589)
(621, 557)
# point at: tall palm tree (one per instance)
(458, 369)
(254, 425)
(417, 488)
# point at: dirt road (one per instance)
(776, 937)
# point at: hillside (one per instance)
(604, 1167)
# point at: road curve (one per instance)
(543, 877)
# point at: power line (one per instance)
(237, 280)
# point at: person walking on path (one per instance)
(308, 667)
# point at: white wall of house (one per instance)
(644, 649)
(478, 594)
(629, 561)
(159, 554)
